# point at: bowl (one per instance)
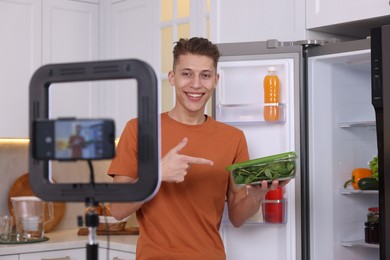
(110, 223)
(274, 167)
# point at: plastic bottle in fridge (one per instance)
(271, 95)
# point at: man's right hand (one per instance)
(175, 166)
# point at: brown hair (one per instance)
(197, 46)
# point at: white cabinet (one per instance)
(115, 254)
(70, 34)
(9, 257)
(131, 33)
(33, 33)
(71, 254)
(329, 12)
(20, 52)
(252, 20)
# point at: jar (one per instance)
(371, 232)
(373, 215)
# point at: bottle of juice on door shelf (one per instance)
(271, 95)
(273, 206)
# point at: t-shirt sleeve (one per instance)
(242, 149)
(125, 162)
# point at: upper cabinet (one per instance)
(34, 33)
(131, 33)
(70, 34)
(240, 21)
(348, 17)
(20, 52)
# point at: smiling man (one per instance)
(182, 220)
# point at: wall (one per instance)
(14, 163)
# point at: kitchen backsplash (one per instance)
(14, 163)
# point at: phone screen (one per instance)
(79, 139)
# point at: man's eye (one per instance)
(186, 74)
(206, 76)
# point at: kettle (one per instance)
(29, 214)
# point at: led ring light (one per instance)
(148, 131)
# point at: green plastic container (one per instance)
(274, 167)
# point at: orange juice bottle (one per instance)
(271, 95)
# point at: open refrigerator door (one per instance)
(342, 137)
(239, 101)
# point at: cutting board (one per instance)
(126, 231)
(21, 187)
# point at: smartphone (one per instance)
(73, 139)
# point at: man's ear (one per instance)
(171, 76)
(216, 79)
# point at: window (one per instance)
(179, 19)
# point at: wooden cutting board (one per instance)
(126, 231)
(21, 187)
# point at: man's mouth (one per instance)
(194, 95)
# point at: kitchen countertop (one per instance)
(68, 239)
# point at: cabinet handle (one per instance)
(57, 258)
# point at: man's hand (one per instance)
(175, 165)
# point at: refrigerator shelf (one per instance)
(247, 114)
(358, 243)
(353, 191)
(357, 124)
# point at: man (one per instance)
(77, 143)
(182, 221)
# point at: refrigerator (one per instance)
(333, 116)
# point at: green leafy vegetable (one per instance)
(374, 167)
(265, 171)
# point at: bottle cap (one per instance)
(271, 68)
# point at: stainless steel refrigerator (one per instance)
(327, 117)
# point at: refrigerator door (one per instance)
(341, 137)
(239, 101)
(380, 58)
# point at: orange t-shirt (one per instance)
(182, 220)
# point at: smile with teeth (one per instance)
(194, 95)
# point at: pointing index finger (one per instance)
(198, 160)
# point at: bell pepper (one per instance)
(358, 174)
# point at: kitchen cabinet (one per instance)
(322, 13)
(9, 257)
(130, 34)
(46, 31)
(71, 254)
(20, 52)
(260, 20)
(115, 254)
(70, 34)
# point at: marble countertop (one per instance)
(68, 239)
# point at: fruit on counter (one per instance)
(374, 167)
(368, 183)
(358, 174)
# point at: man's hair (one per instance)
(196, 46)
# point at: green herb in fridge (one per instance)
(374, 167)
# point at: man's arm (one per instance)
(244, 202)
(121, 210)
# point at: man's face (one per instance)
(194, 78)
